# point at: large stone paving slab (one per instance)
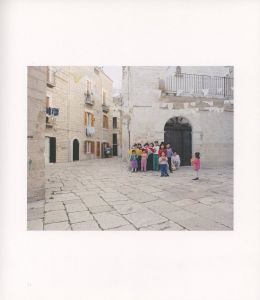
(75, 207)
(35, 213)
(56, 216)
(35, 224)
(100, 209)
(87, 225)
(124, 209)
(141, 197)
(108, 220)
(160, 206)
(57, 226)
(178, 216)
(54, 206)
(113, 196)
(80, 216)
(168, 225)
(200, 223)
(92, 201)
(145, 218)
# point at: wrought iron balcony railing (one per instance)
(199, 86)
(89, 98)
(105, 108)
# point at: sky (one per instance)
(115, 73)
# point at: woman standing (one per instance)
(149, 149)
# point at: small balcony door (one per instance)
(115, 144)
(50, 150)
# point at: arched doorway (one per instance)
(177, 132)
(75, 150)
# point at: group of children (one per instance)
(151, 156)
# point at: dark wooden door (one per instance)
(179, 136)
(75, 150)
(114, 144)
(98, 149)
(52, 150)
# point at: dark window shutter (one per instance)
(85, 147)
(92, 147)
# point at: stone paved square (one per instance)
(115, 199)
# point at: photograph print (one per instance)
(130, 148)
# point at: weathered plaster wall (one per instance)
(36, 84)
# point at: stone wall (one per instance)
(36, 86)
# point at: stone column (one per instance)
(125, 135)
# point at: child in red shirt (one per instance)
(162, 149)
(196, 165)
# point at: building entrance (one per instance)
(177, 132)
(75, 150)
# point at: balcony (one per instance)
(90, 131)
(105, 108)
(192, 85)
(89, 99)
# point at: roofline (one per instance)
(106, 75)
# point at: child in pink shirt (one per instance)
(144, 161)
(196, 165)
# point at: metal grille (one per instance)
(200, 85)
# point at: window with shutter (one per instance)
(85, 118)
(92, 147)
(85, 147)
(104, 98)
(98, 149)
(105, 121)
(115, 122)
(88, 147)
(92, 120)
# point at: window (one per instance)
(104, 98)
(105, 121)
(114, 139)
(89, 147)
(89, 119)
(115, 122)
(114, 144)
(89, 86)
(92, 147)
(50, 77)
(98, 149)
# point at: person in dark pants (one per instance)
(169, 156)
(163, 165)
(139, 153)
(149, 150)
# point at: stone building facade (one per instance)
(190, 107)
(117, 125)
(36, 85)
(78, 114)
